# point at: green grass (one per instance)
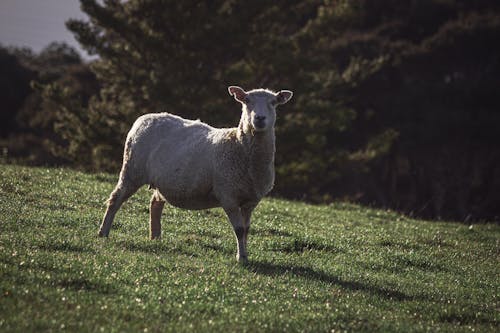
(340, 267)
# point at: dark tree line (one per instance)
(395, 100)
(28, 116)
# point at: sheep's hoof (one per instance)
(242, 259)
(102, 234)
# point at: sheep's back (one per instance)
(175, 154)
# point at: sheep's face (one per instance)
(259, 106)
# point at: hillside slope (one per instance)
(312, 268)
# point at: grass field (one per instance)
(340, 267)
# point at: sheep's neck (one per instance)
(260, 149)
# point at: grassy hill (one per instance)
(312, 268)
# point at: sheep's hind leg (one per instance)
(236, 219)
(119, 195)
(155, 209)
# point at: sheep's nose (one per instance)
(260, 118)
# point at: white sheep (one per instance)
(195, 166)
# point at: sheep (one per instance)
(192, 165)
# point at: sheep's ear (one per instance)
(283, 96)
(238, 93)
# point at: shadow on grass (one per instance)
(398, 264)
(82, 284)
(469, 318)
(307, 273)
(65, 247)
(270, 232)
(389, 243)
(423, 264)
(299, 245)
(58, 278)
(218, 248)
(156, 247)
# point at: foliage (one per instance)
(14, 88)
(312, 268)
(435, 91)
(56, 71)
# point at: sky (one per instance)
(36, 23)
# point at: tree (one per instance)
(14, 88)
(421, 77)
(28, 77)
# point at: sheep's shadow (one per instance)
(59, 277)
(271, 269)
(65, 247)
(155, 247)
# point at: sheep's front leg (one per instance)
(155, 209)
(236, 219)
(246, 212)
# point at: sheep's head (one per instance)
(259, 106)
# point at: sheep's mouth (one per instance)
(259, 124)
